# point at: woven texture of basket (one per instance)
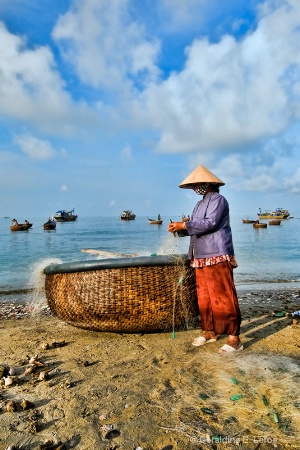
(129, 295)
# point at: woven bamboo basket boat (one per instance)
(260, 225)
(274, 222)
(128, 295)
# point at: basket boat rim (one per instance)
(115, 263)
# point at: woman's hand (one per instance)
(176, 226)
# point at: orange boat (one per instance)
(16, 226)
(248, 221)
(260, 225)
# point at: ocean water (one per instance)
(266, 257)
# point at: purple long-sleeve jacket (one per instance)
(209, 228)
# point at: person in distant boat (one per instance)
(158, 217)
(26, 221)
(211, 253)
(14, 222)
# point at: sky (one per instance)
(107, 105)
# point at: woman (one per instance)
(211, 253)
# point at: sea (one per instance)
(268, 258)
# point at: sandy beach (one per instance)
(73, 388)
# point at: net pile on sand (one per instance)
(250, 402)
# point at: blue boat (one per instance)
(65, 216)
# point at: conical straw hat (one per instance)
(200, 175)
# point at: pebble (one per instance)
(19, 310)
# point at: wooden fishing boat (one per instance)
(275, 222)
(127, 295)
(260, 225)
(20, 227)
(279, 213)
(65, 216)
(155, 221)
(16, 226)
(184, 218)
(248, 221)
(127, 215)
(50, 225)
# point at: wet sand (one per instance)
(151, 391)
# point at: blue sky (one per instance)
(109, 104)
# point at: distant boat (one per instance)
(50, 224)
(65, 216)
(248, 221)
(20, 227)
(259, 225)
(184, 218)
(16, 226)
(275, 222)
(127, 215)
(157, 221)
(279, 213)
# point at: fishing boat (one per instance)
(157, 221)
(260, 225)
(274, 222)
(16, 226)
(124, 295)
(127, 215)
(65, 216)
(279, 213)
(248, 221)
(184, 218)
(50, 224)
(20, 227)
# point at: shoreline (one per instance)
(25, 294)
(266, 296)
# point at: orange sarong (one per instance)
(217, 299)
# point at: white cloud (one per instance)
(185, 14)
(231, 107)
(231, 168)
(232, 92)
(105, 45)
(26, 75)
(36, 148)
(32, 89)
(293, 183)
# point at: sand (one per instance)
(151, 391)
